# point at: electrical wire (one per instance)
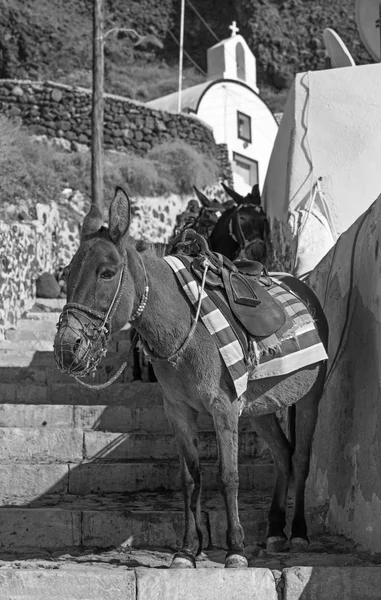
(186, 54)
(203, 20)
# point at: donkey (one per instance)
(242, 230)
(202, 216)
(109, 282)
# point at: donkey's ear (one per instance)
(203, 199)
(236, 197)
(92, 222)
(120, 215)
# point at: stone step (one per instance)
(48, 305)
(36, 345)
(73, 445)
(144, 575)
(135, 394)
(102, 477)
(115, 581)
(116, 419)
(142, 520)
(46, 372)
(24, 482)
(28, 330)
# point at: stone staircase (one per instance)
(98, 469)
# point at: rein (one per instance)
(176, 356)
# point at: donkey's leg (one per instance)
(183, 421)
(226, 426)
(268, 427)
(306, 417)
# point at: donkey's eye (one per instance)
(107, 274)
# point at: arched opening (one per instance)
(240, 61)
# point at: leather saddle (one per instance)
(245, 283)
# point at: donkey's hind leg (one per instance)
(306, 417)
(269, 429)
(226, 426)
(183, 421)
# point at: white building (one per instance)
(230, 104)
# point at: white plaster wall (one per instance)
(331, 129)
(219, 107)
(222, 62)
(346, 453)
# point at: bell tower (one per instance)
(232, 59)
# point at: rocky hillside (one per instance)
(52, 39)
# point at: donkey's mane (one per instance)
(157, 249)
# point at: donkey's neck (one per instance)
(166, 320)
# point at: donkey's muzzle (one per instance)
(80, 343)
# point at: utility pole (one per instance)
(97, 108)
(181, 56)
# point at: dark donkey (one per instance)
(242, 230)
(109, 282)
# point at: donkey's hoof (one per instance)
(276, 543)
(236, 561)
(183, 561)
(298, 544)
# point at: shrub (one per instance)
(33, 171)
(186, 166)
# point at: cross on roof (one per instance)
(234, 29)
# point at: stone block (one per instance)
(40, 415)
(68, 583)
(137, 394)
(24, 375)
(98, 477)
(140, 446)
(121, 419)
(21, 482)
(206, 584)
(164, 528)
(40, 445)
(332, 583)
(28, 394)
(39, 528)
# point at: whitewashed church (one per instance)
(230, 104)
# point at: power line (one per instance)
(202, 19)
(186, 54)
(248, 77)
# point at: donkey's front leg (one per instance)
(225, 418)
(183, 421)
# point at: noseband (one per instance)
(96, 332)
(235, 228)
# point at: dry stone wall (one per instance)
(61, 111)
(28, 249)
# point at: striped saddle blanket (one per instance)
(294, 346)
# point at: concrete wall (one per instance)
(62, 111)
(329, 130)
(346, 457)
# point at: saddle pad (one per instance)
(286, 351)
(290, 348)
(217, 325)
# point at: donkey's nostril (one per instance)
(76, 345)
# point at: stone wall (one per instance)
(61, 111)
(45, 244)
(346, 453)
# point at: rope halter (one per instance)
(93, 332)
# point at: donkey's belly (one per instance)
(274, 393)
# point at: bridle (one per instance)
(96, 333)
(235, 228)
